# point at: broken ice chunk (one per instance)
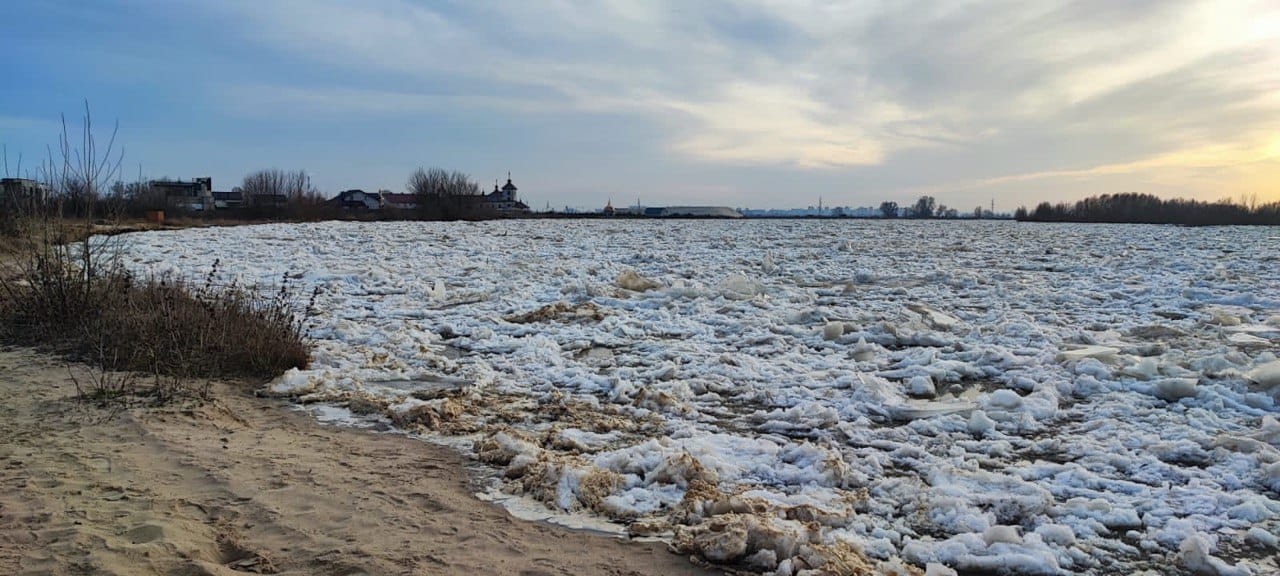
(1004, 400)
(918, 410)
(1105, 354)
(631, 280)
(1269, 431)
(437, 290)
(980, 424)
(293, 382)
(1252, 329)
(1174, 389)
(1001, 534)
(935, 319)
(1266, 375)
(863, 352)
(1264, 538)
(1223, 317)
(1243, 340)
(1057, 534)
(832, 330)
(1271, 476)
(737, 286)
(922, 386)
(1193, 553)
(936, 569)
(1144, 369)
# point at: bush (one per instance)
(75, 299)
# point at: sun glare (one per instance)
(1272, 149)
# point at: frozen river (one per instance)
(1044, 399)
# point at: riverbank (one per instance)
(245, 485)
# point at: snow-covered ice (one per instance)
(1038, 399)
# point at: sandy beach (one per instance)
(245, 485)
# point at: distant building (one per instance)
(812, 211)
(608, 208)
(228, 200)
(380, 200)
(693, 212)
(396, 201)
(357, 200)
(503, 200)
(23, 194)
(195, 194)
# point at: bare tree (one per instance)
(292, 184)
(137, 197)
(888, 209)
(444, 194)
(924, 207)
(438, 182)
(278, 186)
(78, 176)
(58, 253)
(1249, 200)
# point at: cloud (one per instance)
(758, 123)
(269, 99)
(1207, 158)
(809, 84)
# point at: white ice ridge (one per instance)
(780, 394)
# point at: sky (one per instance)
(752, 103)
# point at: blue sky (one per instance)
(754, 103)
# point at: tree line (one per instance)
(268, 194)
(83, 178)
(926, 207)
(1135, 208)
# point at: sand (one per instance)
(246, 485)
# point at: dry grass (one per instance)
(61, 288)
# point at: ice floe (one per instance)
(835, 396)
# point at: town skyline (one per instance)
(751, 104)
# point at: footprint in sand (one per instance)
(145, 533)
(47, 482)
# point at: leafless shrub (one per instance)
(64, 288)
(445, 195)
(101, 385)
(166, 328)
(275, 184)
